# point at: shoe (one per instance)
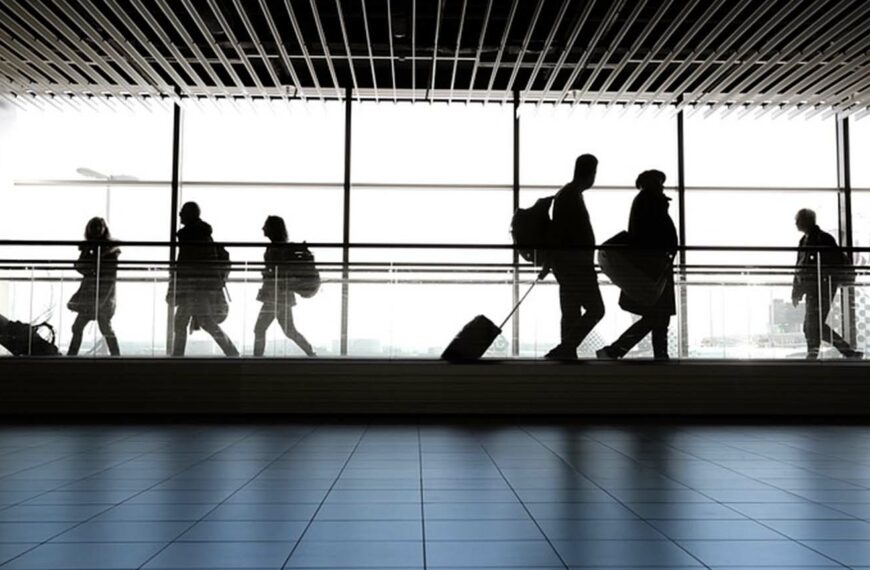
(853, 355)
(813, 355)
(605, 354)
(561, 355)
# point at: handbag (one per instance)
(623, 264)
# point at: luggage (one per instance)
(476, 337)
(22, 339)
(623, 265)
(531, 231)
(305, 278)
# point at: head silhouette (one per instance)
(585, 168)
(275, 229)
(651, 181)
(805, 220)
(189, 212)
(97, 230)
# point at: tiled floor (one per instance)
(380, 496)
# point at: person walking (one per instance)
(277, 294)
(573, 261)
(95, 298)
(649, 227)
(820, 269)
(196, 286)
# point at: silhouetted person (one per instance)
(573, 261)
(824, 261)
(277, 294)
(649, 227)
(95, 298)
(197, 287)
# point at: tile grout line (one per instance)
(525, 508)
(110, 507)
(325, 496)
(228, 497)
(612, 496)
(422, 495)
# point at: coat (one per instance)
(828, 259)
(277, 275)
(194, 280)
(92, 294)
(651, 227)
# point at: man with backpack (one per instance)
(197, 284)
(821, 268)
(573, 261)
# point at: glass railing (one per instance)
(408, 301)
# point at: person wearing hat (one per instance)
(650, 227)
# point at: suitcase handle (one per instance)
(517, 306)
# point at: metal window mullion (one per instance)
(844, 203)
(174, 198)
(681, 204)
(515, 293)
(346, 213)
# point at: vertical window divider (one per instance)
(175, 192)
(683, 337)
(345, 252)
(844, 207)
(515, 295)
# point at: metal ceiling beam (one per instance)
(258, 45)
(212, 42)
(350, 63)
(480, 43)
(839, 82)
(525, 46)
(438, 15)
(548, 44)
(319, 25)
(614, 44)
(723, 45)
(282, 49)
(392, 52)
(612, 13)
(458, 46)
(369, 47)
(688, 7)
(302, 46)
(789, 51)
(501, 47)
(836, 97)
(747, 50)
(779, 79)
(569, 47)
(639, 41)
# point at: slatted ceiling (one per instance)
(749, 56)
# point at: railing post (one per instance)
(515, 296)
(844, 204)
(175, 193)
(345, 253)
(683, 337)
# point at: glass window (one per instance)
(760, 152)
(421, 143)
(274, 141)
(625, 141)
(859, 139)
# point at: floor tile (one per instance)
(715, 530)
(154, 513)
(476, 511)
(822, 529)
(249, 512)
(357, 555)
(480, 530)
(222, 555)
(372, 511)
(118, 531)
(754, 553)
(848, 552)
(606, 553)
(244, 531)
(627, 529)
(85, 556)
(488, 554)
(31, 532)
(323, 530)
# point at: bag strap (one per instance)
(517, 306)
(45, 324)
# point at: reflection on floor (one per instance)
(331, 495)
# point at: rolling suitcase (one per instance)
(476, 337)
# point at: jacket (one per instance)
(650, 227)
(828, 257)
(277, 275)
(195, 276)
(571, 226)
(91, 290)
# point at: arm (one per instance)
(797, 288)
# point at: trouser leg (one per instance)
(585, 310)
(827, 333)
(209, 325)
(660, 336)
(264, 319)
(78, 330)
(631, 336)
(285, 319)
(105, 324)
(182, 320)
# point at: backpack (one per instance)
(531, 231)
(22, 339)
(223, 265)
(305, 277)
(845, 272)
